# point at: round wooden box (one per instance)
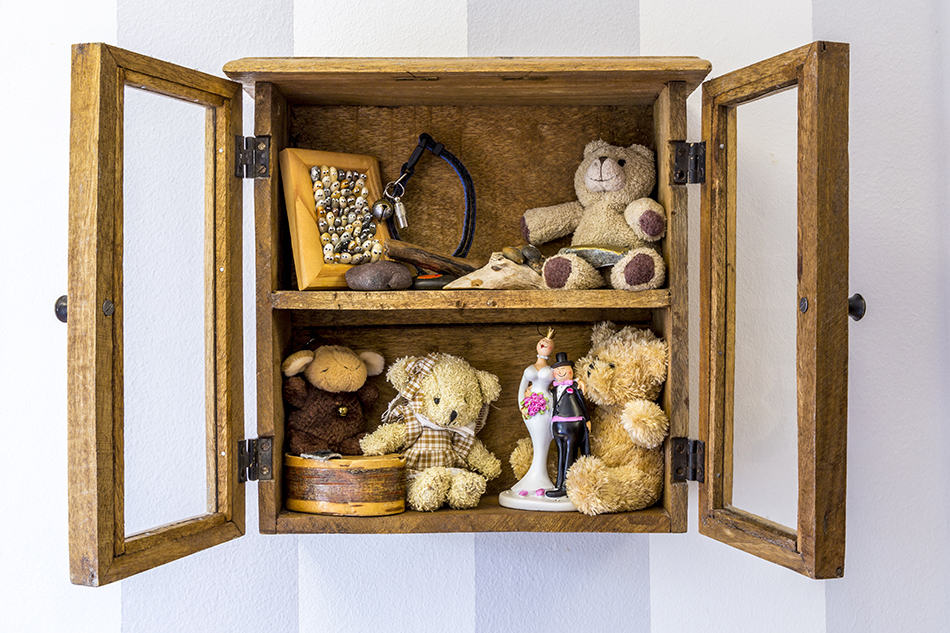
(350, 486)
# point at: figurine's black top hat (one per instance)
(560, 360)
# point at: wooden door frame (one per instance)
(100, 552)
(820, 71)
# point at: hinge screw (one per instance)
(265, 445)
(803, 304)
(108, 308)
(261, 147)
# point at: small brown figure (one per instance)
(570, 422)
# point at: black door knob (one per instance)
(857, 306)
(60, 308)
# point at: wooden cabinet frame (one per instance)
(820, 70)
(100, 551)
(654, 91)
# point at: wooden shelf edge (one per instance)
(423, 300)
(487, 517)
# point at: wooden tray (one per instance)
(295, 164)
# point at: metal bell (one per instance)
(383, 209)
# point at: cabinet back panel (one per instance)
(502, 349)
(518, 156)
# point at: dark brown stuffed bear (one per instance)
(327, 403)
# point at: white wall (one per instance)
(36, 594)
(897, 563)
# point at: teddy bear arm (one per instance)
(645, 422)
(296, 391)
(544, 224)
(368, 394)
(481, 460)
(388, 438)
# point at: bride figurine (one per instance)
(534, 400)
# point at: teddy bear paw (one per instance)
(570, 272)
(465, 490)
(647, 219)
(428, 491)
(640, 269)
(587, 484)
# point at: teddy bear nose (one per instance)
(602, 159)
(453, 415)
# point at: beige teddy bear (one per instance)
(611, 211)
(624, 372)
(442, 403)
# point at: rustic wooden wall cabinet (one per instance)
(519, 124)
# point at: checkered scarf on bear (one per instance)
(429, 444)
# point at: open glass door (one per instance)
(111, 534)
(815, 546)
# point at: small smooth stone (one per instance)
(336, 258)
(513, 254)
(335, 186)
(324, 171)
(349, 174)
(337, 222)
(334, 238)
(351, 217)
(366, 245)
(333, 173)
(315, 173)
(367, 217)
(350, 201)
(330, 216)
(325, 238)
(383, 275)
(328, 251)
(364, 191)
(335, 195)
(359, 201)
(323, 225)
(353, 246)
(357, 227)
(335, 203)
(326, 182)
(345, 258)
(321, 206)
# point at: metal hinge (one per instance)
(256, 459)
(251, 156)
(688, 460)
(689, 162)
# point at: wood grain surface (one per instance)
(470, 80)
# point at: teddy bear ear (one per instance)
(398, 374)
(374, 362)
(601, 332)
(593, 146)
(296, 362)
(491, 388)
(642, 151)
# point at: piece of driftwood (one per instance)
(418, 256)
(500, 273)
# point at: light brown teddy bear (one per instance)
(442, 403)
(611, 211)
(624, 372)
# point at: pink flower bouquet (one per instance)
(533, 404)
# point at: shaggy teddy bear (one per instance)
(624, 372)
(328, 403)
(442, 403)
(611, 211)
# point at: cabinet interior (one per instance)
(520, 155)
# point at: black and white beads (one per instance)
(347, 227)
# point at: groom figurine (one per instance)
(569, 422)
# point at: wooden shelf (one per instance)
(487, 517)
(467, 306)
(466, 299)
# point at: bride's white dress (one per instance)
(536, 480)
